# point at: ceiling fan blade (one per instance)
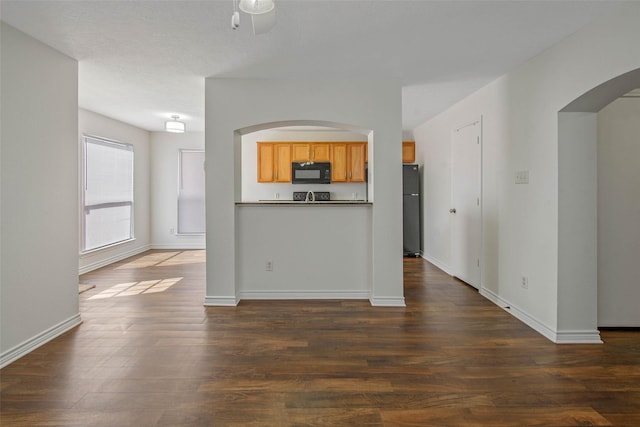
(264, 22)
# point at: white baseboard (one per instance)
(178, 246)
(578, 337)
(519, 314)
(273, 295)
(387, 302)
(441, 265)
(221, 301)
(42, 338)
(110, 260)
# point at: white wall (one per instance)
(39, 178)
(252, 190)
(520, 132)
(316, 252)
(577, 221)
(619, 213)
(91, 123)
(164, 189)
(233, 104)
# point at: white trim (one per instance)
(42, 338)
(629, 323)
(178, 246)
(519, 314)
(221, 301)
(299, 295)
(441, 265)
(558, 337)
(105, 247)
(578, 337)
(387, 302)
(494, 298)
(119, 257)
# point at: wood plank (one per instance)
(450, 357)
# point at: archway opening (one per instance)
(580, 285)
(295, 131)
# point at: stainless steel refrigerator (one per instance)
(411, 209)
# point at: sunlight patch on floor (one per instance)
(137, 288)
(189, 257)
(148, 260)
(166, 259)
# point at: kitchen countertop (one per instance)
(292, 203)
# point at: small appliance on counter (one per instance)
(311, 173)
(320, 196)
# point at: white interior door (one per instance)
(465, 211)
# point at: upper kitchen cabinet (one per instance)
(274, 162)
(348, 162)
(408, 152)
(339, 163)
(321, 152)
(310, 152)
(357, 154)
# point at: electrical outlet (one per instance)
(524, 282)
(172, 231)
(269, 266)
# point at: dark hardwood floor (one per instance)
(148, 353)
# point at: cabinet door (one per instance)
(339, 163)
(408, 152)
(282, 162)
(356, 158)
(265, 162)
(321, 152)
(300, 152)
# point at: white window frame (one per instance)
(179, 189)
(84, 207)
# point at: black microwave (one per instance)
(311, 173)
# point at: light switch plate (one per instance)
(522, 177)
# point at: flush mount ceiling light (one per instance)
(256, 7)
(174, 125)
(262, 12)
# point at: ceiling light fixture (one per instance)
(174, 125)
(256, 7)
(262, 12)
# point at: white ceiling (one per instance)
(141, 61)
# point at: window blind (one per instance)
(191, 194)
(108, 192)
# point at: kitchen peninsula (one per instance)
(299, 250)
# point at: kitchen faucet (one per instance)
(313, 197)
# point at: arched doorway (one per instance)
(578, 208)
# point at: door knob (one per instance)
(452, 210)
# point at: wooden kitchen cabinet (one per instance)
(310, 152)
(356, 155)
(347, 159)
(321, 152)
(348, 162)
(408, 152)
(339, 163)
(274, 162)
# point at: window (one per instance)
(107, 193)
(191, 210)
